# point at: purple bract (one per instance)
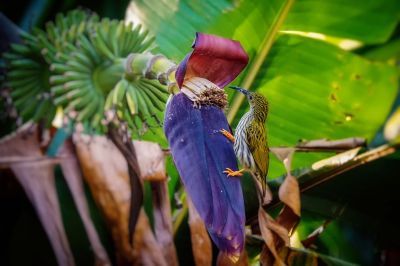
(200, 152)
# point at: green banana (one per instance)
(52, 32)
(79, 103)
(25, 63)
(19, 91)
(12, 56)
(133, 41)
(41, 110)
(17, 83)
(162, 95)
(60, 21)
(120, 91)
(79, 67)
(101, 46)
(128, 118)
(143, 106)
(21, 73)
(73, 75)
(83, 59)
(112, 38)
(109, 100)
(26, 36)
(88, 111)
(154, 101)
(69, 86)
(59, 79)
(99, 113)
(27, 110)
(146, 43)
(20, 49)
(142, 45)
(132, 100)
(27, 98)
(88, 48)
(71, 95)
(59, 68)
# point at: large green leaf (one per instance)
(175, 22)
(318, 91)
(368, 21)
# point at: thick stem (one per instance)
(152, 67)
(107, 75)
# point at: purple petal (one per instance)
(201, 154)
(214, 58)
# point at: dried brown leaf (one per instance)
(340, 144)
(163, 221)
(105, 171)
(224, 260)
(289, 194)
(337, 160)
(269, 229)
(282, 153)
(72, 174)
(37, 179)
(147, 249)
(201, 243)
(151, 160)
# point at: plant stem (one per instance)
(258, 61)
(181, 215)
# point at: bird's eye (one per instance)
(250, 97)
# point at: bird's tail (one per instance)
(265, 194)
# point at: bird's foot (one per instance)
(231, 172)
(227, 134)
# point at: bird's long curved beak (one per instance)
(245, 92)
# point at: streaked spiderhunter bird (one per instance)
(250, 142)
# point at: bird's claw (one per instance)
(231, 172)
(227, 134)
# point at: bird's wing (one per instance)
(257, 143)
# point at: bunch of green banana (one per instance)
(28, 64)
(94, 67)
(79, 63)
(134, 98)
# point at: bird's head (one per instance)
(257, 101)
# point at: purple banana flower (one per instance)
(201, 153)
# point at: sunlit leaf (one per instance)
(365, 21)
(330, 91)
